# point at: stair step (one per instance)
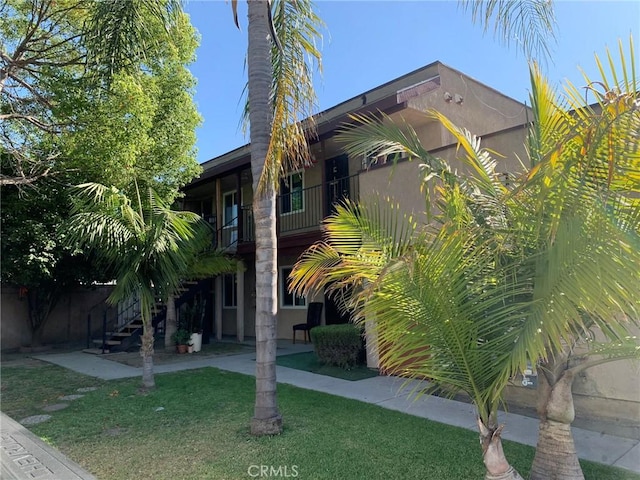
(107, 342)
(133, 326)
(119, 334)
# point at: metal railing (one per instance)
(248, 227)
(305, 209)
(101, 318)
(297, 211)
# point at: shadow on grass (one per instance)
(308, 362)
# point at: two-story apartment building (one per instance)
(223, 196)
(223, 193)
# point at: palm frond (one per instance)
(293, 98)
(152, 250)
(360, 240)
(530, 24)
(119, 34)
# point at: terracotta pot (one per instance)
(182, 348)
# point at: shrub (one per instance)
(338, 345)
(181, 336)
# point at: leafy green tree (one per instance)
(586, 190)
(33, 253)
(149, 247)
(63, 124)
(512, 275)
(57, 52)
(146, 121)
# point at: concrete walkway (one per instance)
(387, 392)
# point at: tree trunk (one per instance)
(146, 351)
(267, 419)
(496, 463)
(41, 301)
(170, 325)
(556, 457)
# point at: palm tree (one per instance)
(149, 246)
(513, 274)
(280, 94)
(601, 150)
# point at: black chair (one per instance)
(314, 312)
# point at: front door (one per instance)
(337, 181)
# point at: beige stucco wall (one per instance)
(470, 104)
(287, 317)
(402, 182)
(67, 323)
(606, 398)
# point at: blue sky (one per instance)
(367, 43)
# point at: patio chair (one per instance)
(314, 311)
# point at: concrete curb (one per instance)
(24, 456)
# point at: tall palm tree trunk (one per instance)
(556, 457)
(495, 462)
(267, 419)
(146, 351)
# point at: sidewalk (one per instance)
(24, 456)
(387, 392)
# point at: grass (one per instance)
(308, 361)
(195, 425)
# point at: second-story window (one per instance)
(230, 218)
(291, 193)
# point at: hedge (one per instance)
(338, 345)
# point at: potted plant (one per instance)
(193, 315)
(181, 337)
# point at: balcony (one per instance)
(299, 211)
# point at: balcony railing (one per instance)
(246, 213)
(298, 211)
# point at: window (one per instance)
(289, 300)
(230, 218)
(291, 193)
(229, 291)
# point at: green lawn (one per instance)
(308, 361)
(195, 425)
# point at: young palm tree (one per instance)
(601, 153)
(515, 274)
(149, 246)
